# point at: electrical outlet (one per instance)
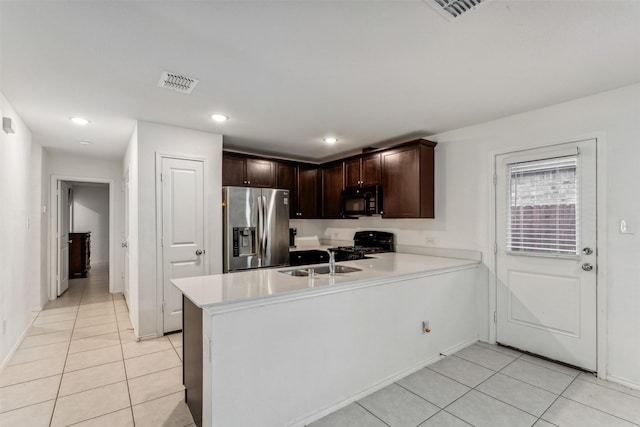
(429, 240)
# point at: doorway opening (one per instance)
(82, 230)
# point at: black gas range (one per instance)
(365, 243)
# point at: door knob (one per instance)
(587, 267)
(199, 252)
(587, 251)
(124, 244)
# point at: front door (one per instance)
(546, 252)
(63, 236)
(182, 231)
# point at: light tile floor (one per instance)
(81, 365)
(486, 385)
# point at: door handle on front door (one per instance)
(587, 267)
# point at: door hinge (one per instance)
(495, 317)
(162, 242)
(161, 177)
(164, 305)
(495, 179)
(495, 248)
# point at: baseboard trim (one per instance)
(16, 346)
(382, 384)
(623, 381)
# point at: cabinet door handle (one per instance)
(69, 241)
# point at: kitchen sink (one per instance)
(300, 272)
(323, 269)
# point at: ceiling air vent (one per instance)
(452, 9)
(177, 82)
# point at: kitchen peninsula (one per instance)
(264, 348)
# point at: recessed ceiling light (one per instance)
(85, 142)
(219, 118)
(79, 121)
(330, 140)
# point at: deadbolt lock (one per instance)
(587, 251)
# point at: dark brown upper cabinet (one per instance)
(407, 180)
(307, 192)
(332, 186)
(246, 171)
(352, 172)
(233, 170)
(363, 171)
(287, 178)
(302, 182)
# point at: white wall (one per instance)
(38, 273)
(62, 164)
(155, 138)
(91, 213)
(464, 197)
(16, 214)
(615, 117)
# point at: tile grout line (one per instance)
(126, 376)
(609, 388)
(480, 391)
(532, 385)
(378, 418)
(583, 404)
(55, 403)
(596, 409)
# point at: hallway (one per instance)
(81, 365)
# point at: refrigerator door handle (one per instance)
(260, 231)
(265, 230)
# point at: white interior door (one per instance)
(182, 231)
(63, 236)
(125, 239)
(546, 252)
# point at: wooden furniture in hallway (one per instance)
(79, 254)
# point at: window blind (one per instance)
(543, 200)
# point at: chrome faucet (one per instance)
(332, 263)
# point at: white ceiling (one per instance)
(290, 72)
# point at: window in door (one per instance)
(542, 216)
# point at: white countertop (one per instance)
(233, 291)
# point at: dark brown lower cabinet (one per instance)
(192, 358)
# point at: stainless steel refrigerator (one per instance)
(255, 227)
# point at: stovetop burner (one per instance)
(366, 249)
(366, 242)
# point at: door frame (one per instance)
(53, 225)
(601, 233)
(159, 249)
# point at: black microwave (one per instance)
(362, 201)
